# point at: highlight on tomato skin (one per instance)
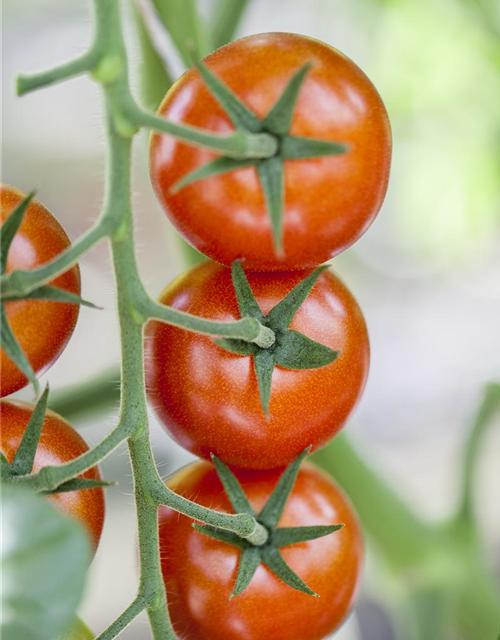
(208, 399)
(199, 572)
(59, 443)
(329, 202)
(42, 327)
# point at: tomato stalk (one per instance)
(134, 309)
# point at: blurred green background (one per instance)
(427, 274)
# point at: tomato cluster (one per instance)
(209, 394)
(43, 327)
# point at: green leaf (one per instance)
(13, 350)
(214, 168)
(240, 347)
(264, 367)
(46, 292)
(10, 227)
(273, 559)
(296, 148)
(246, 300)
(79, 484)
(282, 314)
(232, 487)
(220, 534)
(5, 470)
(287, 536)
(272, 510)
(279, 118)
(271, 174)
(22, 463)
(45, 556)
(241, 116)
(297, 351)
(249, 561)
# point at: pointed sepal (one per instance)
(297, 148)
(272, 179)
(282, 314)
(279, 118)
(287, 536)
(10, 227)
(273, 559)
(232, 487)
(297, 351)
(247, 303)
(79, 484)
(241, 116)
(250, 560)
(272, 510)
(220, 534)
(47, 292)
(264, 367)
(13, 349)
(5, 469)
(22, 464)
(216, 167)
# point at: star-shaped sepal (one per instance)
(269, 552)
(291, 349)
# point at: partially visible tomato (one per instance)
(42, 327)
(329, 201)
(199, 572)
(59, 443)
(208, 398)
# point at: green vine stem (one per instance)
(107, 62)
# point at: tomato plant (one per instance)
(329, 202)
(42, 327)
(200, 571)
(208, 398)
(59, 443)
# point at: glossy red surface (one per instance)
(329, 202)
(200, 572)
(59, 443)
(208, 398)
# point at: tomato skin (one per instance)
(59, 443)
(207, 398)
(329, 202)
(200, 572)
(42, 327)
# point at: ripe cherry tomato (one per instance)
(200, 572)
(59, 443)
(42, 327)
(329, 202)
(208, 398)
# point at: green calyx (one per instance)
(276, 125)
(9, 342)
(290, 349)
(22, 464)
(266, 550)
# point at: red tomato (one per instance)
(59, 443)
(329, 202)
(42, 327)
(208, 399)
(200, 572)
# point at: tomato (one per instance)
(208, 398)
(59, 443)
(329, 201)
(199, 572)
(42, 327)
